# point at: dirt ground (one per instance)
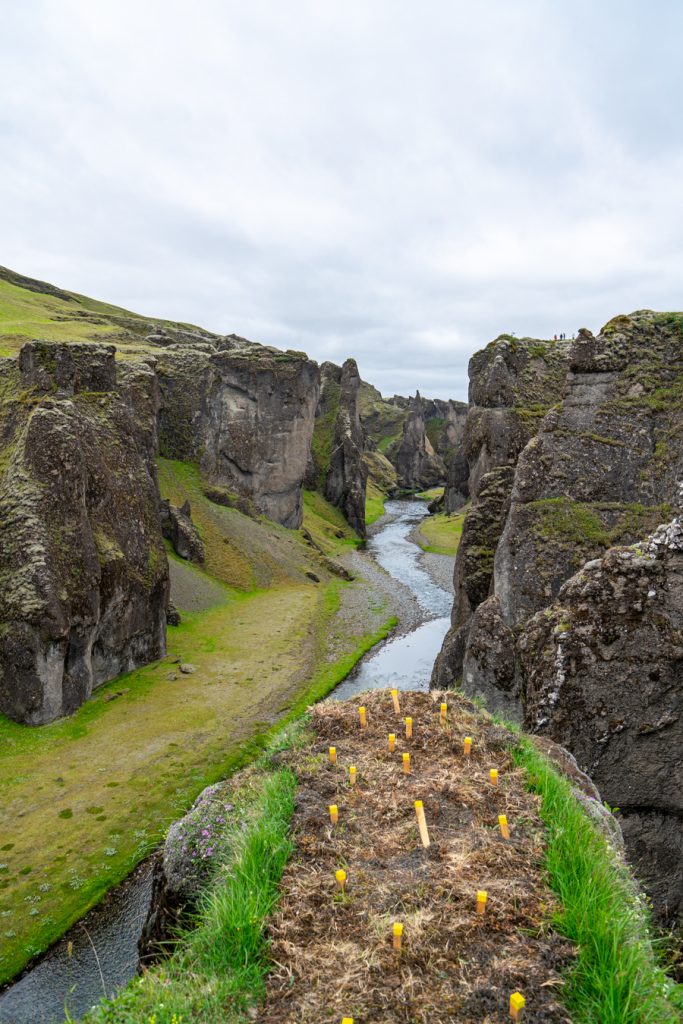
(333, 952)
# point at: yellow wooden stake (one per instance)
(363, 718)
(398, 935)
(347, 1020)
(333, 755)
(444, 712)
(340, 877)
(467, 746)
(517, 1004)
(397, 706)
(352, 775)
(421, 823)
(493, 775)
(406, 764)
(409, 728)
(481, 901)
(334, 814)
(503, 822)
(392, 742)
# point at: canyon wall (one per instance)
(571, 627)
(83, 571)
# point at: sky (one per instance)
(393, 180)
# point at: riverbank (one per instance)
(88, 797)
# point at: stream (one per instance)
(99, 954)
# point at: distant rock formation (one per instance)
(417, 464)
(83, 571)
(247, 413)
(346, 475)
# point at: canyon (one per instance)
(160, 483)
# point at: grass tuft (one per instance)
(616, 979)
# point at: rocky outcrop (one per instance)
(417, 464)
(177, 526)
(246, 412)
(513, 383)
(600, 473)
(603, 675)
(83, 571)
(336, 464)
(184, 868)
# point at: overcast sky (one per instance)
(397, 181)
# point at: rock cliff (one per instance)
(83, 570)
(337, 466)
(601, 471)
(513, 383)
(246, 412)
(418, 466)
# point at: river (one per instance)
(99, 955)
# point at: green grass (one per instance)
(374, 503)
(219, 967)
(616, 979)
(431, 494)
(441, 533)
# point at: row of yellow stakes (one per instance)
(517, 1000)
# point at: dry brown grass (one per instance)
(333, 953)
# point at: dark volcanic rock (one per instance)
(184, 868)
(247, 413)
(603, 668)
(417, 464)
(337, 466)
(83, 570)
(177, 526)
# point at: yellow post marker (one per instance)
(363, 718)
(517, 1004)
(421, 823)
(481, 901)
(340, 877)
(398, 935)
(503, 822)
(347, 1020)
(493, 775)
(352, 775)
(392, 742)
(397, 706)
(444, 712)
(467, 746)
(409, 728)
(406, 764)
(333, 755)
(334, 814)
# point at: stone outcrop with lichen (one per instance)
(603, 675)
(418, 466)
(337, 466)
(246, 412)
(83, 571)
(513, 384)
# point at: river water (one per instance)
(103, 952)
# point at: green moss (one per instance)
(601, 524)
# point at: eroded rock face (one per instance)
(177, 526)
(603, 672)
(346, 473)
(247, 412)
(417, 464)
(83, 571)
(513, 383)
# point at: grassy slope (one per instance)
(441, 533)
(374, 503)
(66, 316)
(85, 798)
(219, 969)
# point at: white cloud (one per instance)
(393, 181)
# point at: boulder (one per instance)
(177, 526)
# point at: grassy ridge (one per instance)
(616, 979)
